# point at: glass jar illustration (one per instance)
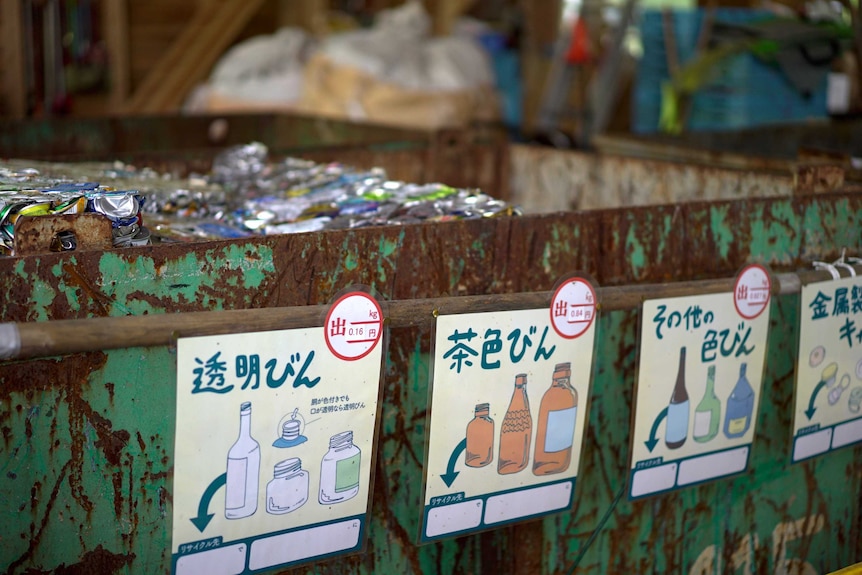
(480, 438)
(516, 430)
(288, 489)
(339, 470)
(243, 470)
(677, 411)
(555, 433)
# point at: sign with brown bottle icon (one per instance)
(505, 431)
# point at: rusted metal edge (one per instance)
(53, 338)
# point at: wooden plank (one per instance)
(116, 34)
(14, 85)
(190, 58)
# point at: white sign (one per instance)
(699, 385)
(507, 420)
(828, 410)
(273, 450)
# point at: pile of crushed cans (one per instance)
(245, 194)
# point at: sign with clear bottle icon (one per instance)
(274, 441)
(508, 413)
(700, 368)
(828, 407)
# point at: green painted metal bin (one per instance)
(87, 450)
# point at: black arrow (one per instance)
(203, 519)
(809, 413)
(450, 475)
(651, 442)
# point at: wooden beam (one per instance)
(116, 34)
(310, 15)
(211, 31)
(14, 81)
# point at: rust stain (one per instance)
(99, 560)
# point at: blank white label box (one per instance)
(653, 479)
(451, 518)
(227, 560)
(812, 444)
(847, 433)
(298, 545)
(526, 502)
(712, 466)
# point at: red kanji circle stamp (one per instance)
(573, 308)
(353, 326)
(751, 291)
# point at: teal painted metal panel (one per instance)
(86, 456)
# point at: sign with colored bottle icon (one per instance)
(274, 440)
(699, 380)
(507, 413)
(828, 408)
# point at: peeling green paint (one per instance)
(721, 233)
(635, 252)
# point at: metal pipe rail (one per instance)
(60, 337)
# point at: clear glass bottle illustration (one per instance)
(676, 430)
(516, 430)
(480, 438)
(243, 470)
(288, 490)
(339, 470)
(740, 406)
(707, 414)
(555, 432)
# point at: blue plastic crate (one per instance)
(742, 91)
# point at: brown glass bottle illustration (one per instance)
(516, 430)
(556, 428)
(480, 438)
(677, 411)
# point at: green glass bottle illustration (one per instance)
(678, 409)
(707, 414)
(740, 406)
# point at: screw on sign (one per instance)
(751, 291)
(573, 308)
(353, 326)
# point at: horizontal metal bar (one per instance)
(61, 337)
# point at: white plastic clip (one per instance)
(836, 275)
(842, 263)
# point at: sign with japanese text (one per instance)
(828, 412)
(699, 383)
(274, 444)
(507, 414)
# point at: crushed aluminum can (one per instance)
(64, 242)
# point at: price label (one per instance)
(353, 326)
(573, 308)
(751, 291)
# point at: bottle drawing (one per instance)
(555, 432)
(480, 438)
(707, 414)
(516, 430)
(243, 470)
(288, 490)
(740, 406)
(678, 409)
(339, 470)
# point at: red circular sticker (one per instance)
(353, 326)
(751, 291)
(573, 308)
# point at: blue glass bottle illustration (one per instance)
(740, 407)
(677, 411)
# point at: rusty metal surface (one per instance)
(34, 235)
(86, 482)
(547, 180)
